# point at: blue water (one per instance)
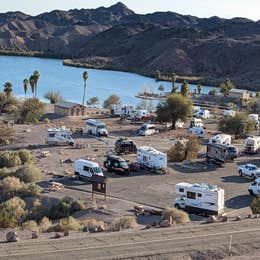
(69, 82)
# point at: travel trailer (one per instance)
(229, 113)
(121, 110)
(96, 127)
(196, 122)
(220, 139)
(151, 158)
(221, 153)
(125, 146)
(147, 129)
(59, 136)
(204, 199)
(198, 131)
(140, 114)
(252, 144)
(85, 168)
(254, 188)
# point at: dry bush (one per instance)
(25, 156)
(7, 134)
(45, 224)
(9, 159)
(12, 212)
(192, 148)
(65, 224)
(30, 190)
(177, 215)
(28, 173)
(53, 97)
(92, 223)
(5, 172)
(38, 212)
(125, 222)
(177, 153)
(255, 205)
(30, 225)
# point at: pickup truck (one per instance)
(249, 170)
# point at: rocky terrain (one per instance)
(118, 38)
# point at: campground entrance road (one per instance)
(171, 241)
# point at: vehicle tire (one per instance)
(240, 173)
(251, 193)
(177, 206)
(253, 176)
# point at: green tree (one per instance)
(111, 100)
(36, 77)
(185, 89)
(32, 84)
(199, 88)
(25, 86)
(176, 107)
(93, 101)
(85, 77)
(8, 89)
(226, 86)
(173, 79)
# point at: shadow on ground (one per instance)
(239, 202)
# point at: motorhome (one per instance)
(220, 139)
(196, 122)
(140, 114)
(96, 127)
(202, 199)
(85, 168)
(229, 113)
(151, 158)
(59, 136)
(147, 129)
(252, 144)
(221, 153)
(198, 131)
(121, 110)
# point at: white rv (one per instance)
(229, 113)
(147, 129)
(179, 124)
(254, 188)
(121, 110)
(151, 158)
(220, 139)
(204, 113)
(253, 117)
(198, 131)
(252, 144)
(59, 136)
(85, 168)
(96, 127)
(196, 122)
(140, 114)
(202, 199)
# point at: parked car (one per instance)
(249, 170)
(125, 146)
(116, 164)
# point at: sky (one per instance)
(201, 8)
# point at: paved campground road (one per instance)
(174, 241)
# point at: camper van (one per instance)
(204, 199)
(198, 131)
(196, 122)
(221, 153)
(96, 127)
(220, 139)
(121, 110)
(85, 168)
(151, 158)
(59, 136)
(252, 144)
(147, 129)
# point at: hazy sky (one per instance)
(201, 8)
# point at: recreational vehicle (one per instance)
(121, 110)
(96, 127)
(85, 168)
(204, 113)
(125, 146)
(221, 153)
(229, 113)
(140, 114)
(254, 188)
(59, 136)
(252, 144)
(198, 131)
(202, 199)
(151, 158)
(220, 139)
(147, 129)
(196, 122)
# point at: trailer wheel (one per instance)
(253, 176)
(177, 206)
(240, 173)
(251, 193)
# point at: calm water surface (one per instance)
(68, 80)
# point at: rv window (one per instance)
(199, 195)
(51, 135)
(191, 195)
(145, 158)
(181, 190)
(86, 168)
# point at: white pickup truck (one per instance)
(249, 170)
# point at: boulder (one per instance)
(101, 228)
(85, 229)
(58, 235)
(35, 234)
(238, 218)
(66, 233)
(165, 223)
(211, 219)
(12, 236)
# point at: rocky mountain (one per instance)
(118, 38)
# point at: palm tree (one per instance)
(8, 89)
(32, 84)
(85, 77)
(199, 88)
(36, 76)
(25, 86)
(173, 78)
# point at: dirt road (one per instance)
(217, 240)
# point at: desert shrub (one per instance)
(255, 205)
(177, 153)
(125, 222)
(12, 212)
(5, 172)
(45, 224)
(65, 224)
(32, 110)
(46, 120)
(9, 159)
(192, 148)
(7, 134)
(25, 156)
(177, 215)
(92, 223)
(8, 104)
(53, 96)
(77, 205)
(30, 225)
(28, 173)
(30, 190)
(37, 212)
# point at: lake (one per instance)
(69, 82)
